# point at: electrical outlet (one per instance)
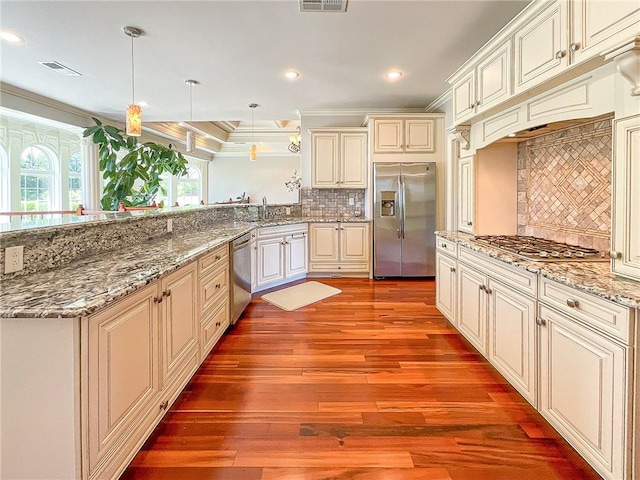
(169, 225)
(351, 201)
(287, 210)
(13, 259)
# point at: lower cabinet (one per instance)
(339, 248)
(584, 384)
(472, 306)
(280, 255)
(446, 286)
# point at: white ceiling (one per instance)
(238, 51)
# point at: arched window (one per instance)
(189, 187)
(37, 176)
(75, 181)
(4, 184)
(164, 193)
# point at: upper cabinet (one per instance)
(339, 158)
(547, 39)
(403, 135)
(484, 85)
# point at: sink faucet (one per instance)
(264, 207)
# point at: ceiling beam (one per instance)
(175, 132)
(217, 132)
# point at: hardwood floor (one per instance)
(371, 384)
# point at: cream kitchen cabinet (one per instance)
(486, 84)
(466, 194)
(213, 297)
(281, 255)
(584, 384)
(625, 235)
(403, 135)
(446, 279)
(339, 158)
(339, 247)
(472, 306)
(142, 352)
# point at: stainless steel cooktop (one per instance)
(542, 250)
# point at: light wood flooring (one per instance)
(369, 384)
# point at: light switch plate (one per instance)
(351, 201)
(13, 259)
(169, 225)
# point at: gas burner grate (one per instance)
(541, 249)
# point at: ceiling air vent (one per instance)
(61, 69)
(323, 5)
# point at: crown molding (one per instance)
(438, 103)
(354, 112)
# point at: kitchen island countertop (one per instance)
(591, 277)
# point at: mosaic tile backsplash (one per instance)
(564, 185)
(331, 202)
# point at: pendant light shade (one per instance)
(253, 151)
(191, 136)
(133, 117)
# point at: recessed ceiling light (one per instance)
(291, 74)
(11, 37)
(393, 74)
(143, 104)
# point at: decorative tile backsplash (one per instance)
(564, 185)
(331, 202)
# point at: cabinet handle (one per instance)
(157, 299)
(166, 293)
(218, 286)
(443, 245)
(541, 322)
(471, 106)
(218, 257)
(488, 290)
(572, 303)
(483, 288)
(614, 254)
(560, 54)
(477, 104)
(453, 270)
(469, 224)
(164, 405)
(574, 47)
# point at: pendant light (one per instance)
(134, 113)
(253, 151)
(191, 136)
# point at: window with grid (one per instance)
(189, 187)
(75, 181)
(37, 176)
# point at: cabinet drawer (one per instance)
(339, 267)
(511, 275)
(282, 230)
(213, 260)
(446, 246)
(212, 287)
(213, 327)
(597, 312)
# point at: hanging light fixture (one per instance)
(294, 146)
(191, 136)
(134, 113)
(253, 151)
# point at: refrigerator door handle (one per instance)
(402, 204)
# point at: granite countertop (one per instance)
(591, 277)
(84, 286)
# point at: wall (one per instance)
(230, 176)
(564, 185)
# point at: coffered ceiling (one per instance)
(238, 51)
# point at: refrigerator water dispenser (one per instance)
(388, 204)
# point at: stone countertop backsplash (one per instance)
(85, 285)
(591, 277)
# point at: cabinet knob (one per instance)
(574, 46)
(541, 322)
(453, 270)
(469, 224)
(166, 293)
(572, 303)
(218, 257)
(614, 254)
(477, 104)
(218, 286)
(164, 405)
(157, 299)
(443, 245)
(488, 290)
(483, 288)
(560, 54)
(471, 106)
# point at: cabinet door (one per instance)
(625, 222)
(540, 47)
(446, 279)
(254, 263)
(494, 77)
(179, 321)
(353, 160)
(597, 26)
(295, 255)
(270, 261)
(512, 341)
(323, 242)
(472, 307)
(466, 194)
(123, 372)
(324, 160)
(584, 382)
(419, 135)
(388, 135)
(354, 242)
(464, 97)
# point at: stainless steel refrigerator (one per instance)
(404, 220)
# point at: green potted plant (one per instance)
(135, 179)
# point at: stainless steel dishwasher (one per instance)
(241, 274)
